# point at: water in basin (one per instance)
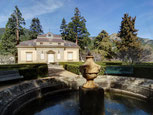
(68, 104)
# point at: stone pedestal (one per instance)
(91, 101)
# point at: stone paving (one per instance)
(58, 71)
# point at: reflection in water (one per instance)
(68, 104)
(91, 101)
(124, 105)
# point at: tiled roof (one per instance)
(28, 43)
(42, 40)
(44, 35)
(52, 36)
(55, 39)
(55, 35)
(69, 44)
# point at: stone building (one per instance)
(47, 48)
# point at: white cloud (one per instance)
(34, 9)
(4, 18)
(42, 7)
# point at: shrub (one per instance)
(102, 70)
(42, 70)
(29, 71)
(100, 63)
(72, 68)
(75, 69)
(75, 63)
(143, 72)
(113, 63)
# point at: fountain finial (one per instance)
(89, 71)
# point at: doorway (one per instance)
(51, 58)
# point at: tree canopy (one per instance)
(103, 45)
(13, 30)
(35, 28)
(63, 29)
(76, 30)
(129, 45)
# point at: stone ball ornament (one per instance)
(89, 71)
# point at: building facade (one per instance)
(47, 48)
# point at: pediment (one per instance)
(50, 52)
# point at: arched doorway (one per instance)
(51, 56)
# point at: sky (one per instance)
(100, 14)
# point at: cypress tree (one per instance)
(63, 29)
(129, 46)
(35, 28)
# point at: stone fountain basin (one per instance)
(13, 98)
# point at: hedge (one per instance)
(139, 71)
(75, 63)
(29, 71)
(143, 72)
(75, 69)
(110, 63)
(99, 63)
(72, 68)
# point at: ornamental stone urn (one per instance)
(89, 71)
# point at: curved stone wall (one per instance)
(137, 87)
(12, 99)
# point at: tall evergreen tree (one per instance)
(77, 31)
(35, 28)
(18, 22)
(63, 29)
(129, 46)
(13, 30)
(103, 45)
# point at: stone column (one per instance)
(91, 96)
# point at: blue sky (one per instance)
(100, 14)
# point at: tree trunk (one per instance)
(76, 40)
(17, 30)
(17, 37)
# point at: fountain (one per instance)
(91, 96)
